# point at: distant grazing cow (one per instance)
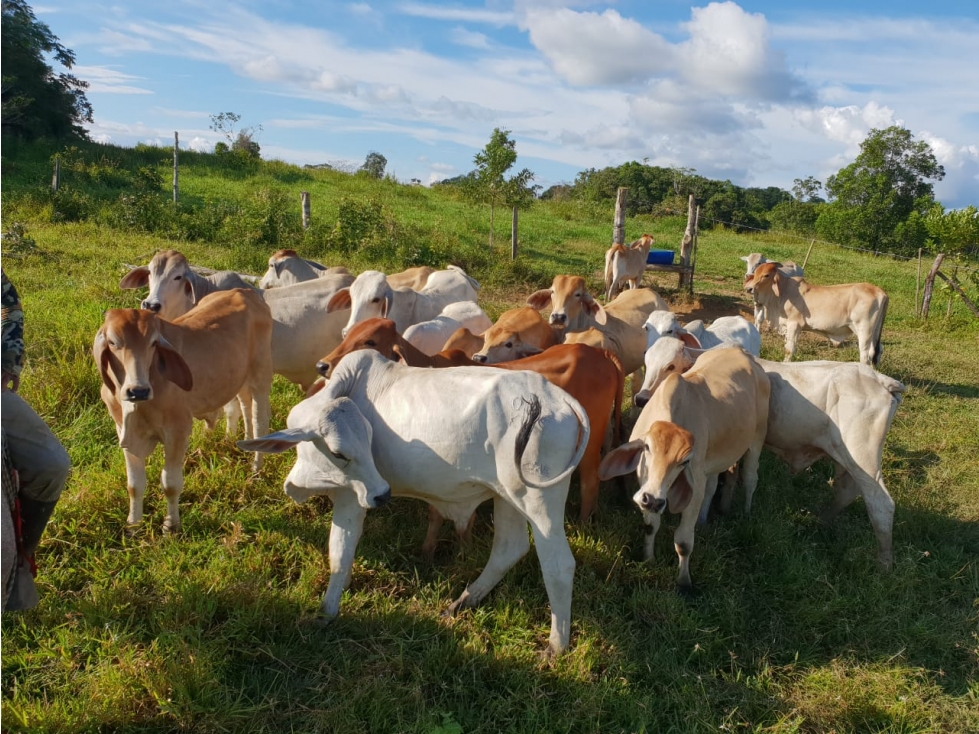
(507, 436)
(370, 296)
(788, 268)
(157, 376)
(287, 268)
(695, 426)
(626, 265)
(834, 310)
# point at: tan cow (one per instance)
(834, 310)
(518, 333)
(620, 322)
(593, 377)
(287, 268)
(696, 426)
(626, 265)
(157, 376)
(414, 278)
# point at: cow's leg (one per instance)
(791, 335)
(557, 564)
(636, 380)
(261, 411)
(510, 544)
(245, 402)
(845, 490)
(432, 535)
(683, 537)
(232, 414)
(345, 532)
(588, 474)
(136, 484)
(652, 522)
(880, 507)
(172, 479)
(727, 493)
(709, 490)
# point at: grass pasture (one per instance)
(794, 628)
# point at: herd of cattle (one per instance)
(378, 421)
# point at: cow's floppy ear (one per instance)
(277, 267)
(775, 283)
(539, 300)
(689, 339)
(107, 361)
(745, 258)
(398, 355)
(388, 303)
(135, 278)
(276, 443)
(594, 309)
(189, 291)
(339, 301)
(172, 365)
(622, 460)
(680, 493)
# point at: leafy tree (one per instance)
(240, 141)
(374, 165)
(954, 232)
(875, 197)
(489, 186)
(37, 102)
(806, 190)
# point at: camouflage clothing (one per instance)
(13, 328)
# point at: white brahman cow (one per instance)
(453, 438)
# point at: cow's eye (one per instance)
(177, 277)
(370, 343)
(509, 345)
(340, 457)
(376, 300)
(669, 368)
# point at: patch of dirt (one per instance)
(709, 307)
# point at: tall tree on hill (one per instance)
(374, 165)
(37, 102)
(489, 186)
(881, 199)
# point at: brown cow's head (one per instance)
(518, 333)
(571, 303)
(765, 278)
(171, 284)
(377, 334)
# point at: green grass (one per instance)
(795, 628)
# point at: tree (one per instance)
(241, 141)
(37, 102)
(374, 165)
(806, 190)
(488, 185)
(880, 200)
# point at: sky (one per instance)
(756, 92)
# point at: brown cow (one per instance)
(593, 377)
(157, 376)
(518, 333)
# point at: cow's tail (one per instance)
(617, 404)
(878, 348)
(609, 259)
(523, 438)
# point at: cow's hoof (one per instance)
(132, 529)
(688, 592)
(170, 527)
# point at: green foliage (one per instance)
(875, 197)
(37, 102)
(489, 184)
(806, 190)
(955, 231)
(374, 165)
(734, 207)
(241, 143)
(794, 216)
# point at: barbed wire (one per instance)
(782, 233)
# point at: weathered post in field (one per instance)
(929, 284)
(957, 287)
(811, 243)
(513, 236)
(176, 147)
(307, 209)
(618, 225)
(56, 176)
(917, 283)
(687, 245)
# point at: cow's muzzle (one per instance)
(323, 368)
(559, 319)
(138, 394)
(481, 358)
(153, 306)
(382, 499)
(652, 504)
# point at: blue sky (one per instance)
(759, 93)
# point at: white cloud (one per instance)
(465, 15)
(849, 124)
(462, 37)
(592, 49)
(106, 80)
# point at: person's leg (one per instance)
(42, 466)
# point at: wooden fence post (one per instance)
(917, 283)
(618, 226)
(687, 245)
(513, 236)
(176, 147)
(307, 210)
(811, 243)
(929, 284)
(56, 176)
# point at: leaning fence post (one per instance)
(56, 176)
(811, 243)
(929, 284)
(917, 283)
(618, 225)
(304, 198)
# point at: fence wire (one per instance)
(877, 253)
